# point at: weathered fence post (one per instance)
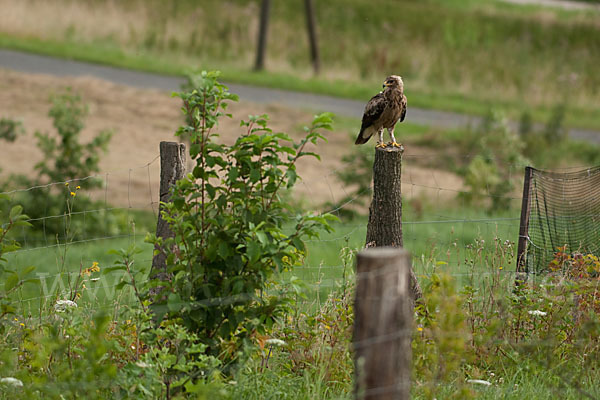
(385, 212)
(261, 47)
(524, 227)
(383, 310)
(172, 168)
(311, 26)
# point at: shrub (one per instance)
(497, 152)
(65, 159)
(10, 129)
(11, 278)
(233, 232)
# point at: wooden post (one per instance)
(524, 225)
(172, 168)
(383, 324)
(312, 35)
(261, 46)
(385, 212)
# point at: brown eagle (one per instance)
(383, 111)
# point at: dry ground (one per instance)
(143, 118)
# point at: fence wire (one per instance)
(452, 243)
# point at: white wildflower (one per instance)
(479, 382)
(12, 381)
(275, 342)
(142, 364)
(62, 305)
(537, 313)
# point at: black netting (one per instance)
(564, 210)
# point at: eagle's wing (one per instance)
(403, 105)
(373, 111)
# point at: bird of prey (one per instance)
(383, 111)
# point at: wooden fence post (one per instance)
(524, 226)
(385, 212)
(383, 311)
(311, 26)
(172, 168)
(261, 47)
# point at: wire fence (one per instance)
(440, 223)
(444, 230)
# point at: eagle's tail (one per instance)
(364, 135)
(361, 140)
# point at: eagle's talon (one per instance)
(399, 145)
(380, 145)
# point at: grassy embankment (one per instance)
(460, 56)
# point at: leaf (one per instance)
(122, 284)
(11, 281)
(254, 175)
(27, 270)
(262, 237)
(22, 224)
(107, 270)
(116, 252)
(15, 212)
(292, 176)
(174, 302)
(253, 251)
(32, 280)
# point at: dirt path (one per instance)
(141, 118)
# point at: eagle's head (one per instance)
(394, 82)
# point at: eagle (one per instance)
(383, 111)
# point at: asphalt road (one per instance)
(38, 64)
(564, 4)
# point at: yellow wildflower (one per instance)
(95, 267)
(73, 194)
(22, 324)
(66, 183)
(78, 187)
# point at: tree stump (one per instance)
(172, 169)
(385, 213)
(383, 324)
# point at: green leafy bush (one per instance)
(10, 129)
(11, 278)
(234, 233)
(65, 158)
(494, 170)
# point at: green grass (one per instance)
(56, 265)
(460, 56)
(439, 235)
(430, 237)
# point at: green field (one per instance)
(537, 341)
(435, 239)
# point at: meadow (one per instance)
(472, 253)
(82, 323)
(472, 324)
